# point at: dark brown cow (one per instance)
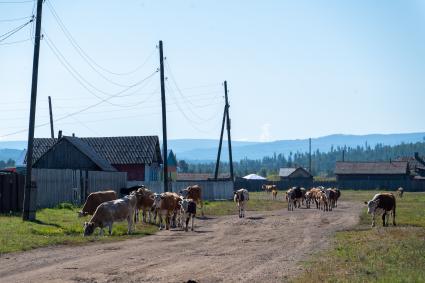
(195, 193)
(94, 200)
(382, 203)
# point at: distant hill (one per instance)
(202, 150)
(323, 144)
(13, 154)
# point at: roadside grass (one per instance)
(61, 226)
(380, 254)
(57, 226)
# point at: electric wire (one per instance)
(16, 2)
(83, 53)
(79, 111)
(15, 30)
(14, 19)
(15, 42)
(79, 50)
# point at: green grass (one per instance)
(57, 226)
(381, 254)
(62, 226)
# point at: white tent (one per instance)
(254, 177)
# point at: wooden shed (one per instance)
(139, 156)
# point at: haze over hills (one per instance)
(202, 150)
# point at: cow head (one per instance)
(184, 203)
(184, 192)
(156, 200)
(88, 228)
(371, 206)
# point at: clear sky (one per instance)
(295, 69)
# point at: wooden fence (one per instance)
(67, 185)
(11, 192)
(211, 190)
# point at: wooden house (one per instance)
(139, 156)
(295, 174)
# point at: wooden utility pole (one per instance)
(309, 155)
(164, 117)
(229, 140)
(217, 164)
(30, 190)
(52, 132)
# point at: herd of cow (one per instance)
(172, 209)
(325, 199)
(177, 210)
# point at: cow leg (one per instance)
(187, 217)
(167, 221)
(373, 219)
(110, 228)
(101, 231)
(160, 221)
(383, 218)
(193, 220)
(202, 207)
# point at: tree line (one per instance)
(323, 163)
(8, 163)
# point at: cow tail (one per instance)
(394, 212)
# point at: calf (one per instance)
(400, 192)
(290, 197)
(194, 193)
(274, 193)
(94, 200)
(241, 197)
(188, 211)
(382, 203)
(111, 211)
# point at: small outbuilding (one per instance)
(295, 174)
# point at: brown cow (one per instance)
(195, 193)
(94, 200)
(167, 205)
(384, 202)
(274, 193)
(111, 211)
(144, 203)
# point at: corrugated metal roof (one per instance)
(285, 172)
(371, 168)
(90, 153)
(116, 150)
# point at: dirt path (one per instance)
(264, 247)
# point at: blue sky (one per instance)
(295, 69)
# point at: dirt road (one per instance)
(264, 247)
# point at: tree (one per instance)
(184, 167)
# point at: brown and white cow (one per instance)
(268, 188)
(274, 193)
(382, 203)
(241, 197)
(195, 193)
(167, 205)
(94, 200)
(112, 211)
(144, 203)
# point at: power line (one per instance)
(14, 19)
(79, 111)
(81, 52)
(16, 2)
(77, 76)
(15, 42)
(15, 30)
(84, 54)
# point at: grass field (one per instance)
(381, 254)
(62, 226)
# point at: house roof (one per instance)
(371, 168)
(416, 163)
(288, 171)
(115, 150)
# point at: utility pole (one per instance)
(164, 117)
(309, 155)
(30, 190)
(217, 164)
(229, 140)
(52, 132)
(343, 155)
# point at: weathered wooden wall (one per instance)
(11, 192)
